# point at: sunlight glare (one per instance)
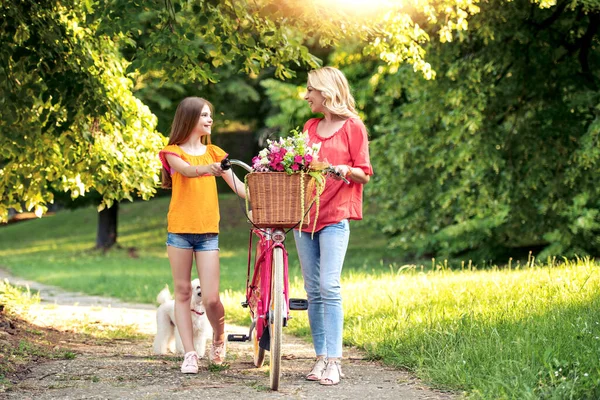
(361, 6)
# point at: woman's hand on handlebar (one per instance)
(347, 172)
(342, 170)
(338, 172)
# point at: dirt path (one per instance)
(120, 369)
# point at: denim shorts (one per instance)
(194, 241)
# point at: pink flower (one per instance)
(275, 157)
(285, 154)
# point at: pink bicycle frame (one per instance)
(258, 288)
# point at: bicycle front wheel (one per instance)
(276, 320)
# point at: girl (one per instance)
(344, 144)
(190, 164)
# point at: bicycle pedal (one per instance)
(244, 304)
(237, 337)
(298, 304)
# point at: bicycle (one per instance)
(267, 291)
(267, 294)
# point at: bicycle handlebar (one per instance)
(333, 171)
(226, 164)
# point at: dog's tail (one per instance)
(164, 295)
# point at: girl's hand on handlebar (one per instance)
(225, 164)
(215, 169)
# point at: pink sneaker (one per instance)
(217, 353)
(190, 363)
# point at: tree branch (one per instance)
(551, 19)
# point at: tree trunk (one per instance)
(106, 236)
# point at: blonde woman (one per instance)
(344, 144)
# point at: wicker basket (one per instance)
(275, 199)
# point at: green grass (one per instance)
(530, 333)
(526, 333)
(57, 250)
(16, 300)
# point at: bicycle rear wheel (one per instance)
(259, 352)
(276, 320)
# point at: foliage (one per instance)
(14, 300)
(189, 39)
(236, 98)
(508, 132)
(288, 110)
(68, 120)
(500, 151)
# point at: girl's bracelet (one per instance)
(197, 174)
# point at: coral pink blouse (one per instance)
(349, 146)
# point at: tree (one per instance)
(500, 152)
(69, 121)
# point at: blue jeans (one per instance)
(321, 271)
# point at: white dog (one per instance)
(167, 334)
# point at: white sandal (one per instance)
(333, 373)
(316, 372)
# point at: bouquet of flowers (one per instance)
(291, 154)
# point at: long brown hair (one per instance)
(185, 120)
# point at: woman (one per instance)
(344, 144)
